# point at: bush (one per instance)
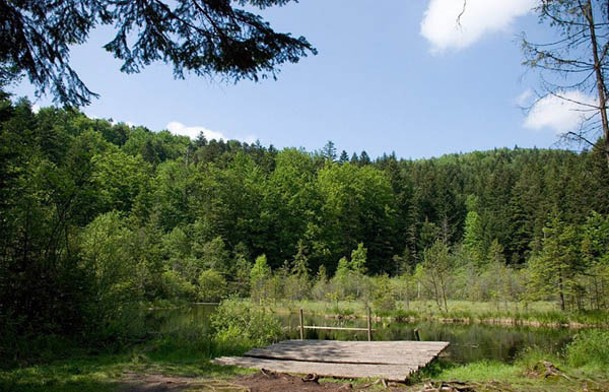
(383, 301)
(175, 287)
(240, 325)
(589, 348)
(212, 286)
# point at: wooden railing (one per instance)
(302, 327)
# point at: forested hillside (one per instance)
(98, 220)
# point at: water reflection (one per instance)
(469, 343)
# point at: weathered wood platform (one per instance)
(392, 361)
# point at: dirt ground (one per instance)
(270, 382)
(260, 382)
(267, 381)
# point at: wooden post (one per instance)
(301, 324)
(369, 325)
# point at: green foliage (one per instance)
(437, 272)
(383, 296)
(595, 254)
(120, 178)
(100, 221)
(212, 286)
(260, 270)
(175, 287)
(358, 259)
(589, 348)
(260, 279)
(556, 269)
(357, 204)
(320, 288)
(473, 240)
(296, 283)
(116, 277)
(212, 255)
(300, 266)
(349, 281)
(240, 325)
(343, 269)
(240, 284)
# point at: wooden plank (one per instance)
(358, 348)
(397, 373)
(394, 361)
(369, 324)
(302, 326)
(335, 328)
(377, 353)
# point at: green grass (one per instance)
(540, 313)
(589, 349)
(84, 374)
(187, 353)
(526, 374)
(481, 372)
(174, 357)
(104, 372)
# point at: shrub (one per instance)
(240, 325)
(589, 348)
(212, 286)
(175, 287)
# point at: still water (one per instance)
(468, 342)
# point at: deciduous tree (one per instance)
(580, 59)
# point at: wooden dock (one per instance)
(391, 361)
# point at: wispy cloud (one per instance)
(525, 99)
(177, 128)
(562, 113)
(445, 29)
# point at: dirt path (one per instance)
(259, 382)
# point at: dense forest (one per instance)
(99, 219)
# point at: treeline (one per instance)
(98, 220)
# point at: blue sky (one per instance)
(391, 76)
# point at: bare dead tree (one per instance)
(576, 61)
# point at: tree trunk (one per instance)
(600, 80)
(561, 292)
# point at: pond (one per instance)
(468, 342)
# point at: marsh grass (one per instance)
(590, 349)
(525, 374)
(542, 313)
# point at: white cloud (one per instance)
(36, 108)
(441, 28)
(561, 113)
(177, 128)
(524, 99)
